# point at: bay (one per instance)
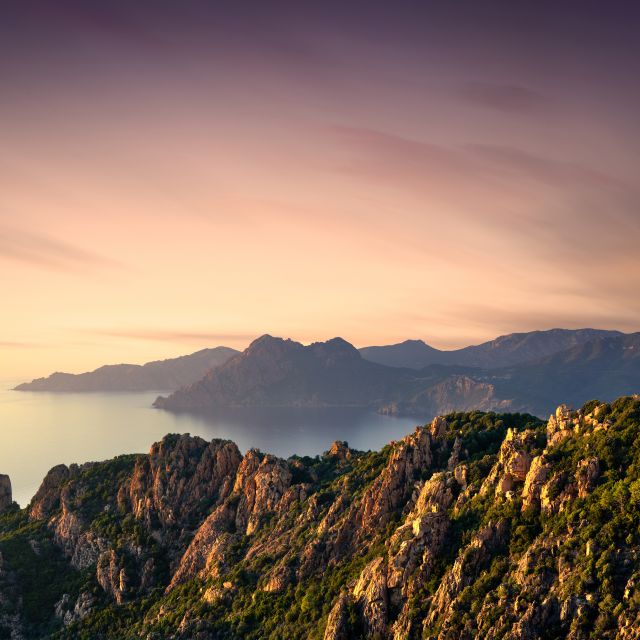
(39, 430)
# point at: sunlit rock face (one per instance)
(6, 497)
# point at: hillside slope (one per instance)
(495, 526)
(153, 376)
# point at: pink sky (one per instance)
(184, 181)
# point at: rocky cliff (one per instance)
(6, 497)
(477, 525)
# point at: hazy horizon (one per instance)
(241, 347)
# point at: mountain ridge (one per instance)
(506, 350)
(277, 372)
(151, 376)
(274, 371)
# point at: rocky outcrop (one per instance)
(112, 575)
(279, 579)
(206, 554)
(565, 423)
(74, 611)
(261, 481)
(410, 458)
(370, 594)
(534, 482)
(59, 501)
(337, 624)
(560, 425)
(339, 451)
(414, 546)
(47, 499)
(473, 559)
(438, 427)
(562, 488)
(180, 478)
(6, 497)
(512, 467)
(586, 476)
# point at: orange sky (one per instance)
(163, 190)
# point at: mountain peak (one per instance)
(265, 338)
(334, 350)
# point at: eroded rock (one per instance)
(6, 497)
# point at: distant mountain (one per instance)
(505, 351)
(519, 372)
(153, 376)
(604, 368)
(414, 354)
(277, 372)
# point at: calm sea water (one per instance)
(40, 430)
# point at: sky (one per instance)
(177, 175)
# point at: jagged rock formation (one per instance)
(474, 526)
(6, 497)
(153, 376)
(172, 487)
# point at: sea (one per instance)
(39, 430)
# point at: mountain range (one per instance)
(277, 372)
(477, 525)
(152, 376)
(505, 351)
(529, 372)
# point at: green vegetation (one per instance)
(34, 573)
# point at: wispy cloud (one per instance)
(168, 335)
(547, 170)
(507, 98)
(18, 345)
(46, 251)
(510, 186)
